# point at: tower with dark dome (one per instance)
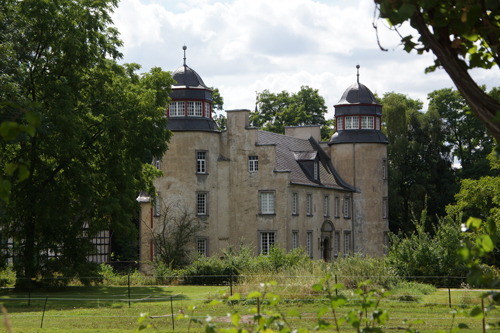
(359, 152)
(191, 106)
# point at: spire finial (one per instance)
(357, 67)
(184, 48)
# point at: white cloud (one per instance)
(243, 46)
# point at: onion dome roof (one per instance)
(357, 93)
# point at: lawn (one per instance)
(96, 309)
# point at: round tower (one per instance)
(359, 153)
(191, 106)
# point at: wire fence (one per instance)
(167, 295)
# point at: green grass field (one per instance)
(96, 309)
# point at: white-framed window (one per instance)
(198, 109)
(295, 240)
(157, 208)
(325, 206)
(201, 246)
(385, 208)
(266, 202)
(367, 122)
(208, 111)
(386, 242)
(347, 243)
(309, 244)
(347, 207)
(315, 170)
(352, 122)
(336, 245)
(309, 204)
(340, 124)
(190, 109)
(201, 162)
(384, 169)
(295, 203)
(267, 239)
(253, 163)
(337, 201)
(201, 203)
(176, 109)
(377, 123)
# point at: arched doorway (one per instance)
(327, 230)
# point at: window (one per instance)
(158, 164)
(309, 204)
(367, 122)
(337, 199)
(384, 169)
(340, 124)
(309, 244)
(157, 208)
(253, 163)
(266, 202)
(198, 109)
(385, 209)
(190, 108)
(315, 168)
(201, 162)
(266, 242)
(347, 243)
(176, 109)
(377, 123)
(207, 110)
(295, 240)
(325, 206)
(386, 242)
(295, 203)
(201, 247)
(352, 122)
(336, 245)
(347, 207)
(201, 203)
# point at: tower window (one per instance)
(352, 122)
(201, 162)
(176, 109)
(198, 109)
(207, 110)
(340, 123)
(190, 109)
(377, 123)
(367, 122)
(253, 163)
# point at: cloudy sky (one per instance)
(245, 46)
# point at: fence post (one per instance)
(231, 282)
(43, 315)
(482, 308)
(449, 291)
(172, 310)
(258, 306)
(29, 291)
(336, 283)
(128, 291)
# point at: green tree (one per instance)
(218, 105)
(419, 162)
(469, 138)
(275, 111)
(463, 35)
(98, 121)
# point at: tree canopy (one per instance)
(275, 111)
(463, 35)
(98, 122)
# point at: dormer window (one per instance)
(315, 167)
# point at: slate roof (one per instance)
(357, 93)
(290, 151)
(358, 136)
(192, 124)
(187, 77)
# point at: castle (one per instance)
(268, 189)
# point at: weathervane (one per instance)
(357, 67)
(184, 48)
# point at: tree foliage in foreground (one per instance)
(275, 111)
(463, 35)
(98, 121)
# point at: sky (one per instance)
(245, 46)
